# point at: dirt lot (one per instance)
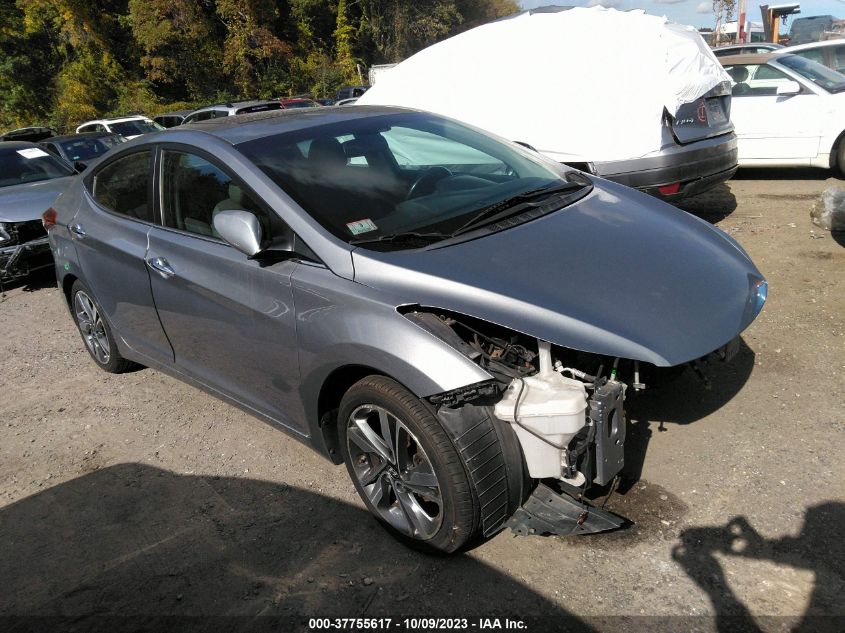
(136, 494)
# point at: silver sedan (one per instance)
(450, 314)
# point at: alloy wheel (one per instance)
(394, 472)
(92, 327)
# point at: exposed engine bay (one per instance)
(566, 408)
(570, 423)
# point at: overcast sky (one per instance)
(695, 12)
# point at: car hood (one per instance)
(28, 201)
(616, 273)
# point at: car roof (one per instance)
(71, 137)
(181, 113)
(248, 127)
(728, 47)
(121, 119)
(747, 58)
(234, 105)
(806, 45)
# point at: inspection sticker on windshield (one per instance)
(32, 152)
(361, 226)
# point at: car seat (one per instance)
(740, 75)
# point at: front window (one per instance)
(756, 80)
(29, 164)
(194, 191)
(822, 76)
(381, 176)
(135, 128)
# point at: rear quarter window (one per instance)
(123, 186)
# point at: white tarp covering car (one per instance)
(584, 85)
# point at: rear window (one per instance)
(262, 107)
(135, 128)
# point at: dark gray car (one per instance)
(30, 181)
(447, 312)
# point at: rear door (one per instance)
(110, 233)
(230, 319)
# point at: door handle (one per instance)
(161, 266)
(77, 229)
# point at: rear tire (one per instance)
(405, 468)
(840, 157)
(95, 331)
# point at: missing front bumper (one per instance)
(548, 513)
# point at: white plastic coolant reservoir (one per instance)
(552, 406)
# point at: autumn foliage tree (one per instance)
(63, 61)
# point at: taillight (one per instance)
(668, 190)
(48, 218)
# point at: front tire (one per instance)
(95, 331)
(405, 467)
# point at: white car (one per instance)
(127, 126)
(831, 53)
(787, 111)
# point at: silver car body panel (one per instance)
(21, 203)
(615, 273)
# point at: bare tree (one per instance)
(724, 11)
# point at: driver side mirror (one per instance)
(788, 89)
(241, 229)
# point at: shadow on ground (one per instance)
(818, 548)
(682, 399)
(133, 540)
(38, 280)
(713, 205)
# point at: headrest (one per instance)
(328, 151)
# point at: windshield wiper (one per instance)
(407, 236)
(501, 209)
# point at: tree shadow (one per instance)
(713, 205)
(818, 548)
(135, 541)
(683, 399)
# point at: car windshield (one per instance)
(88, 148)
(300, 104)
(380, 177)
(29, 164)
(136, 127)
(822, 76)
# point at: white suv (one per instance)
(127, 126)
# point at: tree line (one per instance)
(66, 61)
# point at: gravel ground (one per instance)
(139, 495)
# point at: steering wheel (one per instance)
(424, 184)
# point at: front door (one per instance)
(772, 126)
(230, 319)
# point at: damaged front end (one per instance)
(24, 248)
(566, 409)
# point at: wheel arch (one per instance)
(67, 284)
(834, 152)
(335, 385)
